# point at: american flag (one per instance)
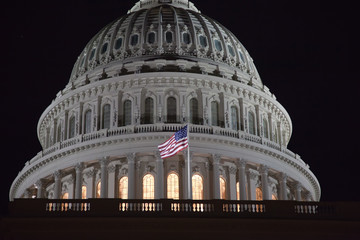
(177, 142)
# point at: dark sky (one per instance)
(301, 50)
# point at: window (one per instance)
(127, 112)
(118, 43)
(259, 196)
(58, 133)
(98, 190)
(241, 56)
(231, 50)
(173, 186)
(149, 110)
(82, 61)
(104, 48)
(92, 54)
(171, 110)
(123, 187)
(218, 45)
(265, 126)
(65, 196)
(197, 187)
(148, 186)
(203, 41)
(134, 40)
(186, 38)
(168, 37)
(151, 38)
(214, 113)
(106, 116)
(194, 111)
(251, 123)
(222, 188)
(237, 191)
(234, 118)
(83, 192)
(87, 123)
(273, 197)
(72, 127)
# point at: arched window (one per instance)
(151, 37)
(203, 41)
(197, 187)
(231, 50)
(106, 116)
(65, 196)
(234, 118)
(148, 186)
(222, 188)
(251, 118)
(87, 121)
(186, 38)
(173, 186)
(134, 39)
(58, 133)
(171, 110)
(149, 110)
(237, 191)
(259, 195)
(92, 54)
(118, 43)
(123, 187)
(127, 112)
(265, 126)
(214, 113)
(83, 192)
(72, 127)
(104, 48)
(98, 190)
(218, 45)
(168, 37)
(194, 111)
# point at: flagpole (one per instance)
(188, 164)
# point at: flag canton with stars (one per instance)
(182, 133)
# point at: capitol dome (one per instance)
(141, 78)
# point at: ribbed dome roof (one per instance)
(163, 29)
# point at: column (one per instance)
(131, 175)
(188, 176)
(111, 180)
(242, 179)
(264, 182)
(298, 191)
(40, 188)
(283, 187)
(159, 181)
(57, 184)
(79, 167)
(308, 197)
(216, 181)
(104, 177)
(232, 183)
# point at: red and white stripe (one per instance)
(171, 146)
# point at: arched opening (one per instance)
(149, 111)
(87, 121)
(98, 190)
(148, 186)
(194, 111)
(259, 194)
(83, 192)
(72, 127)
(222, 188)
(251, 118)
(171, 110)
(265, 126)
(173, 186)
(214, 113)
(123, 187)
(106, 116)
(127, 112)
(65, 196)
(234, 118)
(197, 187)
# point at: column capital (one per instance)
(39, 183)
(232, 170)
(130, 157)
(79, 167)
(216, 158)
(264, 169)
(297, 185)
(104, 161)
(57, 174)
(157, 155)
(111, 168)
(282, 177)
(241, 163)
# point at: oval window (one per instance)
(186, 38)
(218, 45)
(134, 40)
(168, 37)
(203, 41)
(92, 54)
(231, 50)
(151, 38)
(118, 43)
(104, 48)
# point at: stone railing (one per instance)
(185, 208)
(162, 127)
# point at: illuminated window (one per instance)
(106, 116)
(265, 126)
(173, 186)
(65, 196)
(237, 191)
(72, 127)
(273, 197)
(251, 123)
(87, 123)
(222, 188)
(214, 113)
(197, 187)
(171, 110)
(83, 192)
(123, 187)
(234, 118)
(98, 190)
(148, 186)
(149, 110)
(194, 111)
(127, 112)
(259, 196)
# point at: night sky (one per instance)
(300, 48)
